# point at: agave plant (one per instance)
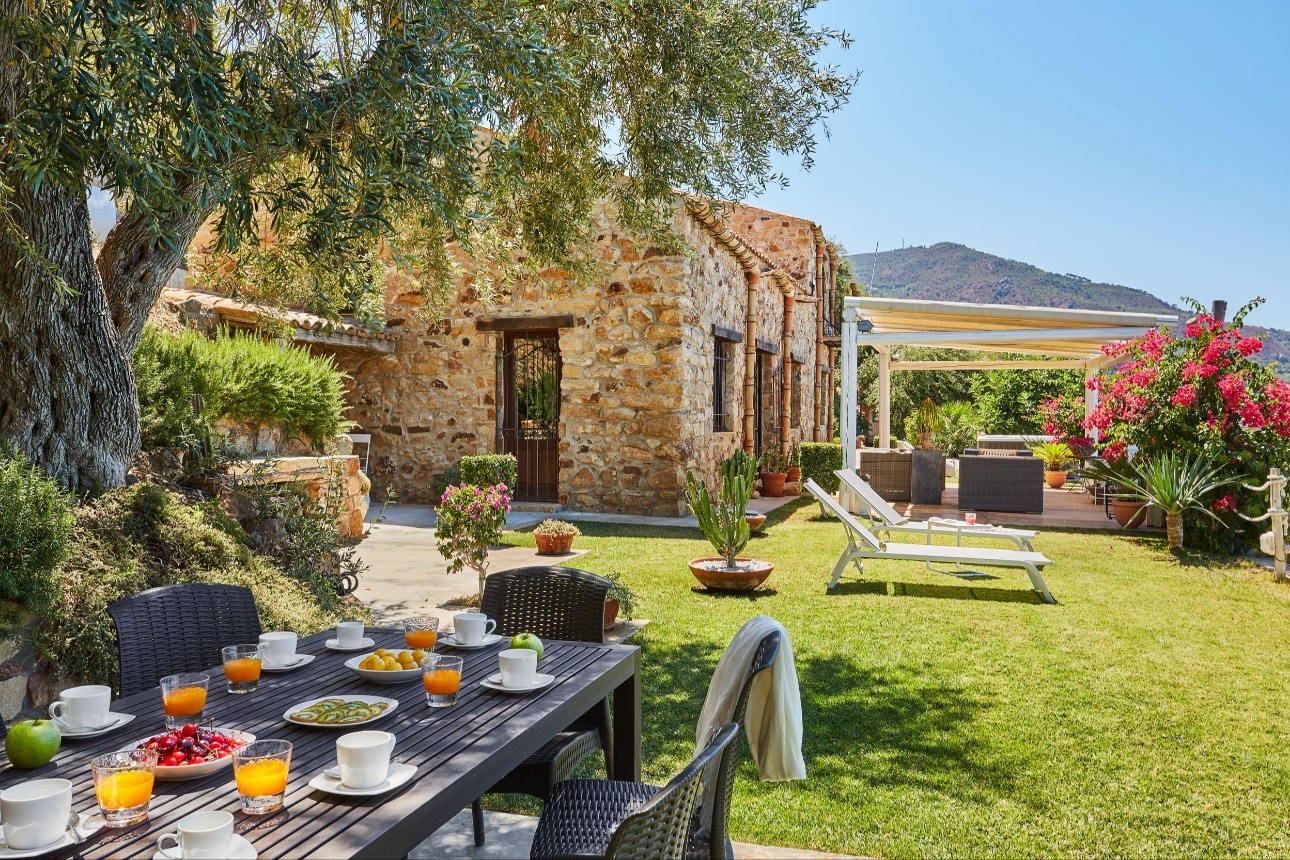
(1175, 483)
(722, 519)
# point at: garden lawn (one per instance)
(1143, 715)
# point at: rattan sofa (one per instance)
(1009, 484)
(888, 472)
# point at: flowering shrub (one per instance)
(467, 522)
(1201, 395)
(1063, 419)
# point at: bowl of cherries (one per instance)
(193, 751)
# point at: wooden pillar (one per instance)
(817, 429)
(750, 361)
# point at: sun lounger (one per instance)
(886, 520)
(861, 544)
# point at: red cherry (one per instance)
(222, 754)
(190, 730)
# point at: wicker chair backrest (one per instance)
(180, 628)
(550, 602)
(660, 828)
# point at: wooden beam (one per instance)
(766, 347)
(720, 331)
(524, 323)
(986, 364)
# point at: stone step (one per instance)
(537, 507)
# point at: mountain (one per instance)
(948, 271)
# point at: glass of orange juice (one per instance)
(242, 667)
(441, 676)
(123, 785)
(183, 697)
(260, 771)
(421, 633)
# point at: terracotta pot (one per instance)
(772, 483)
(1126, 510)
(730, 580)
(553, 544)
(794, 474)
(611, 612)
(1055, 480)
(755, 521)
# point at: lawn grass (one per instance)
(1142, 715)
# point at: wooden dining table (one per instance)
(459, 751)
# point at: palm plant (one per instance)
(1057, 456)
(1175, 483)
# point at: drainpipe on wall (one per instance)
(786, 379)
(750, 361)
(817, 429)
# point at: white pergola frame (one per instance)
(1059, 337)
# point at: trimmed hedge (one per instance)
(487, 470)
(818, 460)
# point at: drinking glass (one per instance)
(260, 771)
(441, 676)
(183, 697)
(242, 667)
(123, 785)
(421, 633)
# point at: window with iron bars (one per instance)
(795, 405)
(721, 351)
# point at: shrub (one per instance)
(556, 528)
(141, 537)
(169, 370)
(960, 425)
(468, 521)
(443, 481)
(35, 521)
(489, 470)
(819, 459)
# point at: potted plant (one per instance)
(468, 521)
(927, 463)
(794, 465)
(723, 524)
(619, 600)
(774, 472)
(927, 423)
(1127, 508)
(555, 537)
(1057, 457)
(1176, 483)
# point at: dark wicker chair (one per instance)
(889, 472)
(180, 628)
(610, 801)
(640, 822)
(553, 603)
(1014, 484)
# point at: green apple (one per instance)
(32, 743)
(528, 640)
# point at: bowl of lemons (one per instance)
(387, 667)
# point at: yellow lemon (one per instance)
(418, 656)
(391, 665)
(381, 652)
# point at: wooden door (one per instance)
(528, 415)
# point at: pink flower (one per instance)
(1185, 395)
(1248, 346)
(1225, 504)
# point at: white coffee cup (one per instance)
(280, 647)
(35, 813)
(470, 628)
(201, 836)
(349, 634)
(364, 758)
(518, 667)
(82, 708)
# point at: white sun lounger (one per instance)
(861, 544)
(886, 520)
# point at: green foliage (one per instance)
(773, 460)
(910, 388)
(738, 465)
(489, 470)
(722, 521)
(35, 523)
(620, 591)
(1056, 455)
(468, 521)
(819, 459)
(1177, 482)
(141, 537)
(960, 426)
(443, 481)
(1010, 401)
(234, 375)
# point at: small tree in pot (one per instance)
(723, 523)
(927, 423)
(467, 522)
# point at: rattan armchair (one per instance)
(594, 818)
(180, 628)
(888, 472)
(553, 603)
(1011, 484)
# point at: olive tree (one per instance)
(414, 129)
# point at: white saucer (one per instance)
(238, 849)
(399, 774)
(115, 721)
(365, 642)
(87, 828)
(494, 682)
(450, 640)
(301, 660)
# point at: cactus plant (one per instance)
(722, 520)
(738, 465)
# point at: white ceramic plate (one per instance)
(367, 700)
(115, 721)
(494, 682)
(365, 642)
(450, 640)
(194, 771)
(238, 849)
(88, 826)
(382, 676)
(301, 660)
(399, 774)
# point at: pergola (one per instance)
(1056, 337)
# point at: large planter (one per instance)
(713, 574)
(1128, 510)
(794, 474)
(772, 483)
(1055, 480)
(926, 477)
(611, 613)
(755, 521)
(554, 544)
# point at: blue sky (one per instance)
(1137, 143)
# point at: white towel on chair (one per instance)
(773, 720)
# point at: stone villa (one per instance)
(605, 394)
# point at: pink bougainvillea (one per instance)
(468, 521)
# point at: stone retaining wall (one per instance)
(316, 473)
(26, 689)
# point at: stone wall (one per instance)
(26, 689)
(316, 474)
